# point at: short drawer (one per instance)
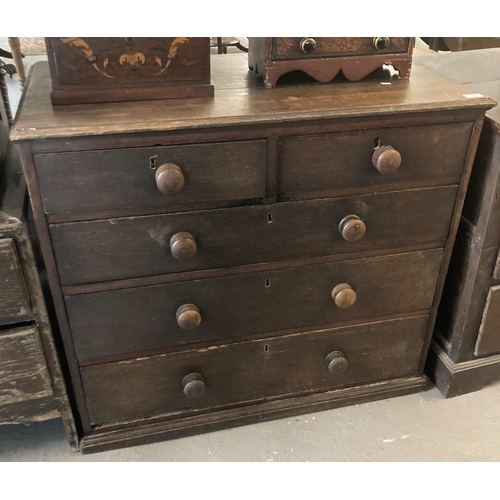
(143, 246)
(286, 48)
(122, 178)
(14, 303)
(23, 368)
(151, 317)
(252, 371)
(326, 162)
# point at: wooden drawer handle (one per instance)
(344, 296)
(169, 178)
(183, 246)
(188, 316)
(386, 159)
(193, 385)
(352, 228)
(336, 362)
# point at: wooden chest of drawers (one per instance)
(256, 256)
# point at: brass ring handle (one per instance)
(308, 45)
(381, 43)
(352, 228)
(188, 316)
(386, 159)
(193, 385)
(336, 362)
(169, 178)
(344, 296)
(183, 246)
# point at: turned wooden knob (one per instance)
(344, 296)
(183, 246)
(188, 316)
(352, 228)
(386, 159)
(193, 385)
(169, 178)
(336, 362)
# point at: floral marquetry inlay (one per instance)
(153, 63)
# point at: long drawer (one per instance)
(254, 370)
(141, 246)
(121, 178)
(323, 162)
(136, 319)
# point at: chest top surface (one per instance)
(478, 69)
(240, 99)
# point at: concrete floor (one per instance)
(420, 427)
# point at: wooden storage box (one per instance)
(90, 70)
(323, 57)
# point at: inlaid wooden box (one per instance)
(323, 57)
(91, 70)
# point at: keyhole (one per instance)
(376, 142)
(152, 162)
(268, 282)
(266, 348)
(269, 218)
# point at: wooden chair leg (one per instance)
(15, 48)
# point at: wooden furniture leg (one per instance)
(15, 48)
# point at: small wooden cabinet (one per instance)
(260, 255)
(323, 57)
(465, 354)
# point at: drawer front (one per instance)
(136, 319)
(488, 341)
(142, 246)
(23, 368)
(317, 163)
(251, 371)
(100, 180)
(285, 48)
(14, 303)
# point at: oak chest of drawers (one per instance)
(216, 263)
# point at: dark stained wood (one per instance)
(74, 387)
(151, 431)
(320, 162)
(96, 251)
(23, 374)
(98, 180)
(273, 368)
(454, 379)
(15, 302)
(94, 70)
(128, 320)
(396, 269)
(467, 325)
(240, 101)
(488, 340)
